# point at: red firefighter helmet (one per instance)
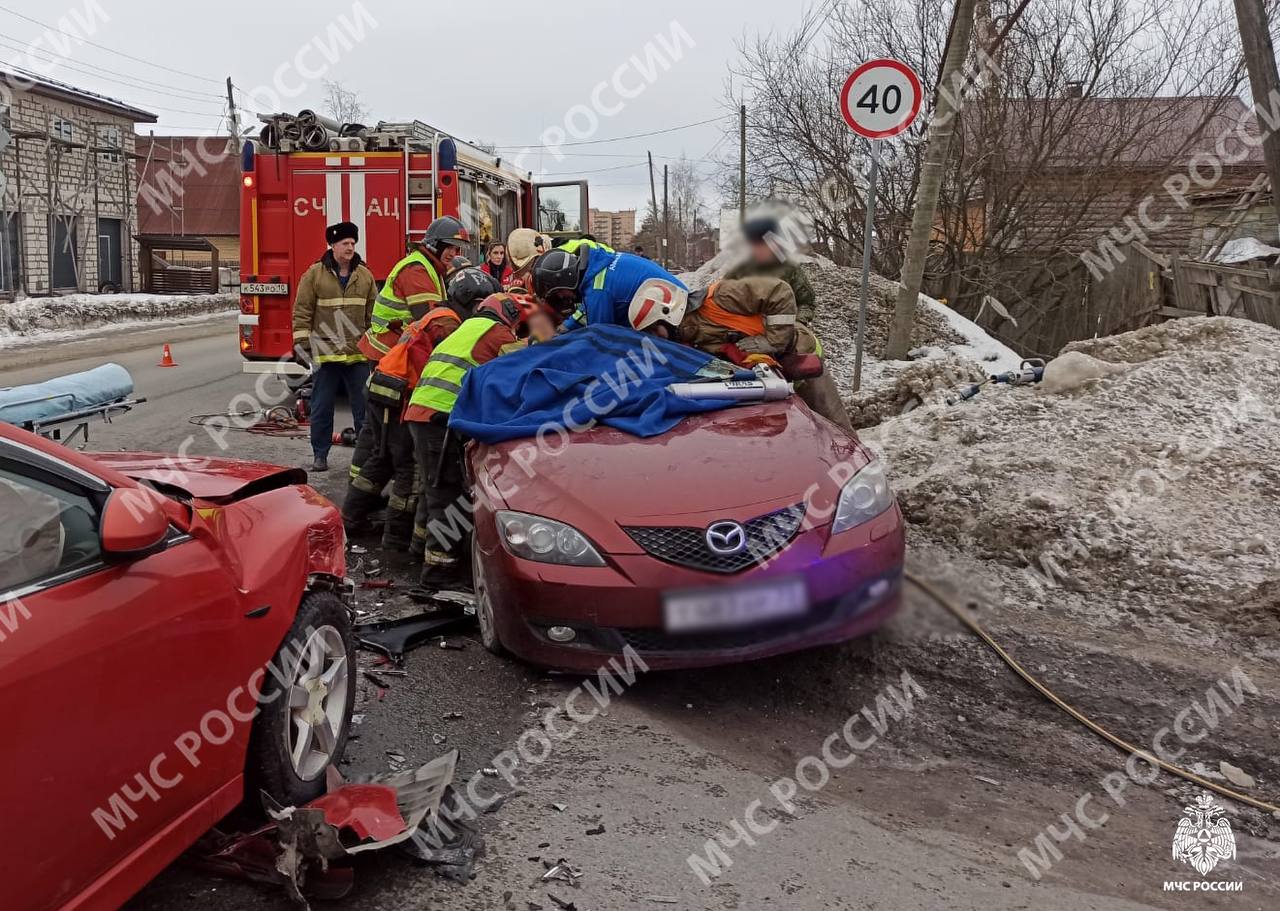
(512, 310)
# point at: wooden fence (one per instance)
(1059, 300)
(1212, 289)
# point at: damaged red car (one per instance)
(174, 637)
(738, 534)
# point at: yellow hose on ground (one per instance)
(929, 589)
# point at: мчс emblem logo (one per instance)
(1204, 837)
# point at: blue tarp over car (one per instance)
(599, 374)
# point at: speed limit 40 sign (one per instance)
(880, 98)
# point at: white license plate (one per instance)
(264, 287)
(734, 606)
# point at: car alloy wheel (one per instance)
(317, 703)
(484, 606)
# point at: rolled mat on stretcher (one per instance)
(64, 395)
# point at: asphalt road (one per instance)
(930, 815)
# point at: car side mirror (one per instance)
(134, 524)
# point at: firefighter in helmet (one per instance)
(414, 285)
(595, 287)
(747, 320)
(497, 322)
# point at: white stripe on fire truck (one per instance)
(333, 197)
(357, 203)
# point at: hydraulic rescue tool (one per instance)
(764, 385)
(1030, 371)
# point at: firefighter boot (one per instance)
(356, 509)
(440, 571)
(418, 546)
(398, 532)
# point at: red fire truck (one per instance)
(391, 182)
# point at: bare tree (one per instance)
(343, 104)
(1088, 107)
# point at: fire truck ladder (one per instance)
(419, 183)
(1248, 197)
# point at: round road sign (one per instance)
(880, 98)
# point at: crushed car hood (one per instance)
(213, 479)
(732, 463)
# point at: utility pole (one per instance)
(941, 128)
(666, 221)
(232, 116)
(742, 163)
(1264, 83)
(653, 195)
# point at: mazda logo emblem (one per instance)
(726, 538)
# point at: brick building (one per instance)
(68, 210)
(617, 229)
(189, 186)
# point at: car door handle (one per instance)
(258, 612)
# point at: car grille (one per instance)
(685, 546)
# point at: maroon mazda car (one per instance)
(741, 533)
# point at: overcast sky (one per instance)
(504, 72)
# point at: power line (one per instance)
(141, 84)
(590, 142)
(619, 167)
(103, 47)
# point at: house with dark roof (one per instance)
(68, 211)
(189, 212)
(1061, 174)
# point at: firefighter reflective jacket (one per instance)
(736, 308)
(476, 341)
(330, 318)
(391, 312)
(573, 246)
(407, 358)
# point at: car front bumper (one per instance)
(853, 582)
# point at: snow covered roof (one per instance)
(24, 80)
(1243, 249)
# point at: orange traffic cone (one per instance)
(166, 358)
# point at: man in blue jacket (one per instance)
(595, 287)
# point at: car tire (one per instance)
(319, 682)
(485, 617)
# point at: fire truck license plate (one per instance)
(264, 288)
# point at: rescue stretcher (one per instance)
(62, 408)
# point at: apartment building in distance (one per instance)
(617, 229)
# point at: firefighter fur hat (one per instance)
(343, 230)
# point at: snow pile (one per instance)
(947, 349)
(44, 318)
(1141, 494)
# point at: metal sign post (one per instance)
(880, 99)
(868, 230)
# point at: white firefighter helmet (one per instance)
(657, 301)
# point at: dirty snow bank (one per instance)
(46, 318)
(947, 349)
(1143, 496)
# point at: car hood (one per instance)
(734, 463)
(213, 479)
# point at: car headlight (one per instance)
(545, 540)
(864, 497)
